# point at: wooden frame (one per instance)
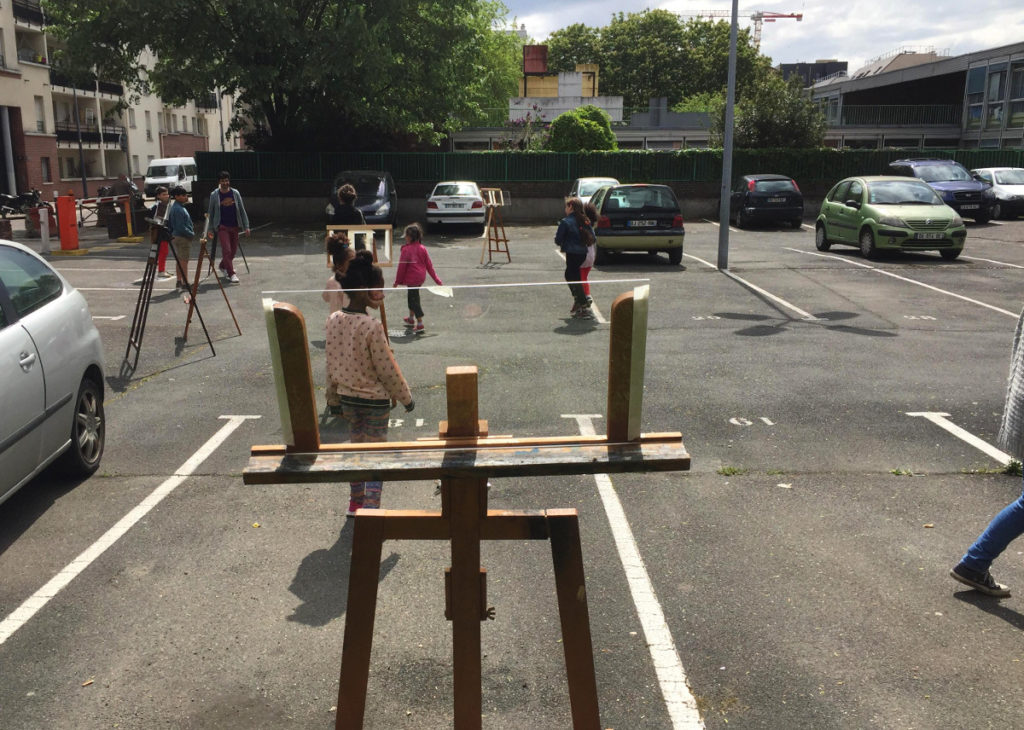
(383, 258)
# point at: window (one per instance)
(44, 163)
(174, 123)
(135, 165)
(29, 282)
(149, 122)
(856, 191)
(975, 97)
(40, 114)
(1015, 110)
(195, 126)
(839, 193)
(131, 117)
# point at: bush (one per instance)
(582, 129)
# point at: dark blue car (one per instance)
(961, 191)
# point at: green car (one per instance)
(888, 213)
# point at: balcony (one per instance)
(28, 12)
(207, 101)
(91, 133)
(57, 79)
(924, 115)
(110, 87)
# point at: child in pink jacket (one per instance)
(413, 266)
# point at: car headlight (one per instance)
(330, 209)
(1015, 197)
(956, 222)
(384, 209)
(988, 193)
(891, 220)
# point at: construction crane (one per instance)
(758, 17)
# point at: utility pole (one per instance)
(81, 155)
(730, 102)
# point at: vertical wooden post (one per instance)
(464, 504)
(626, 353)
(364, 574)
(293, 376)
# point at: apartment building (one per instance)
(55, 132)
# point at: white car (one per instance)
(1008, 185)
(455, 201)
(585, 187)
(51, 373)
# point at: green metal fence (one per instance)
(698, 166)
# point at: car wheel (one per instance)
(88, 431)
(983, 218)
(600, 255)
(997, 210)
(675, 256)
(741, 220)
(798, 223)
(820, 241)
(950, 253)
(867, 243)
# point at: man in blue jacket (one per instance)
(180, 223)
(226, 217)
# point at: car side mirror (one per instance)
(851, 203)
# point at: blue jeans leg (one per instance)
(1005, 527)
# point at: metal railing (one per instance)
(897, 115)
(28, 11)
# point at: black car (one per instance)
(762, 198)
(375, 196)
(638, 217)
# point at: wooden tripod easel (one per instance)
(497, 241)
(194, 292)
(464, 456)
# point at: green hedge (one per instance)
(693, 165)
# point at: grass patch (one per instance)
(901, 472)
(731, 471)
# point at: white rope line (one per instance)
(592, 282)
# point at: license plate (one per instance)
(929, 236)
(970, 206)
(643, 224)
(776, 200)
(452, 205)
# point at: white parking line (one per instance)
(679, 701)
(940, 420)
(716, 223)
(112, 318)
(906, 279)
(759, 290)
(992, 261)
(40, 598)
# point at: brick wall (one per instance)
(182, 145)
(37, 147)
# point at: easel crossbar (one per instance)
(431, 525)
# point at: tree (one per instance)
(320, 73)
(775, 113)
(571, 45)
(584, 128)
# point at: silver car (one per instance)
(51, 373)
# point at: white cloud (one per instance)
(854, 33)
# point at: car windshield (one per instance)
(941, 173)
(774, 186)
(589, 187)
(633, 199)
(901, 192)
(456, 189)
(164, 171)
(365, 185)
(1010, 177)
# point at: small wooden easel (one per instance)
(463, 457)
(497, 241)
(385, 262)
(194, 292)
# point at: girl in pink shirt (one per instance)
(361, 365)
(413, 266)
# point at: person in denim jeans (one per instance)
(1008, 525)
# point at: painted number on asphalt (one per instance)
(699, 317)
(741, 421)
(396, 422)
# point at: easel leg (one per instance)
(367, 542)
(567, 555)
(468, 500)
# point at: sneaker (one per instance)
(164, 275)
(409, 321)
(583, 313)
(979, 581)
(575, 308)
(353, 505)
(233, 278)
(419, 327)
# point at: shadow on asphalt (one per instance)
(991, 605)
(778, 325)
(31, 502)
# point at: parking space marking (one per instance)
(716, 223)
(992, 261)
(941, 420)
(679, 701)
(778, 300)
(111, 318)
(23, 613)
(908, 280)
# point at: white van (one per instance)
(169, 172)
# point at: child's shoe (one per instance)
(353, 505)
(409, 321)
(418, 328)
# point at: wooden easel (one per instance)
(387, 230)
(194, 292)
(464, 456)
(497, 241)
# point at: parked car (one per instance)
(638, 218)
(376, 196)
(1007, 187)
(762, 198)
(51, 373)
(888, 213)
(455, 201)
(954, 184)
(585, 187)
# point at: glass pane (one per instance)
(29, 282)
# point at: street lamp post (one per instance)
(730, 102)
(81, 154)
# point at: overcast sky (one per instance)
(855, 32)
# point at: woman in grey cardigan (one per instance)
(1008, 525)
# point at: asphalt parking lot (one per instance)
(796, 576)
